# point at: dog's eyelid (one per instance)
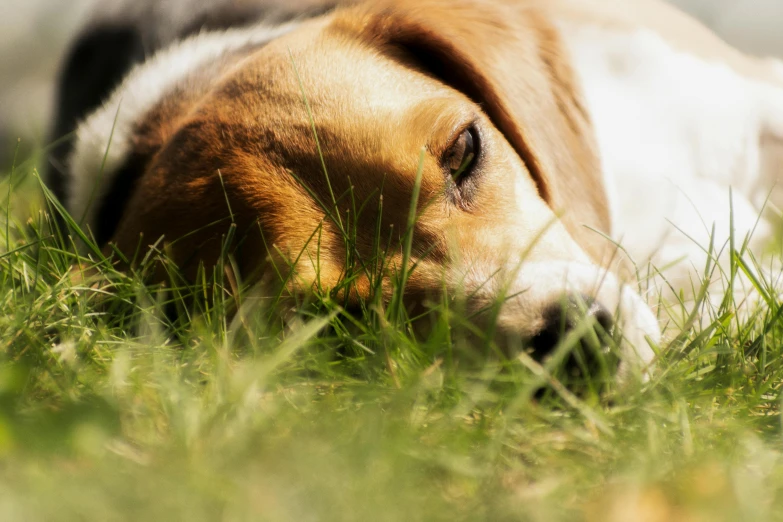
(459, 130)
(462, 154)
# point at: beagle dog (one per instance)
(528, 138)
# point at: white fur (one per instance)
(675, 134)
(548, 282)
(531, 284)
(107, 132)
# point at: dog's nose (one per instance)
(591, 322)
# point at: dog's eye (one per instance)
(460, 158)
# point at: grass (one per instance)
(113, 408)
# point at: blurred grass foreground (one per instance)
(113, 408)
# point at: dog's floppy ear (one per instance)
(509, 60)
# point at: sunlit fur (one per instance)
(388, 85)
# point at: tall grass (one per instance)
(123, 400)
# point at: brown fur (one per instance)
(384, 80)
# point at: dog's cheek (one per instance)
(173, 223)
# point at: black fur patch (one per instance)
(94, 67)
(115, 199)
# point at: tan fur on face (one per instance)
(508, 58)
(386, 82)
(542, 120)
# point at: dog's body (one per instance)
(583, 118)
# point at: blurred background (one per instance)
(34, 35)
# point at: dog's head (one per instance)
(329, 131)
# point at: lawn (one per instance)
(121, 400)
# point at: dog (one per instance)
(532, 136)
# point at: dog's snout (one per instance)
(587, 324)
